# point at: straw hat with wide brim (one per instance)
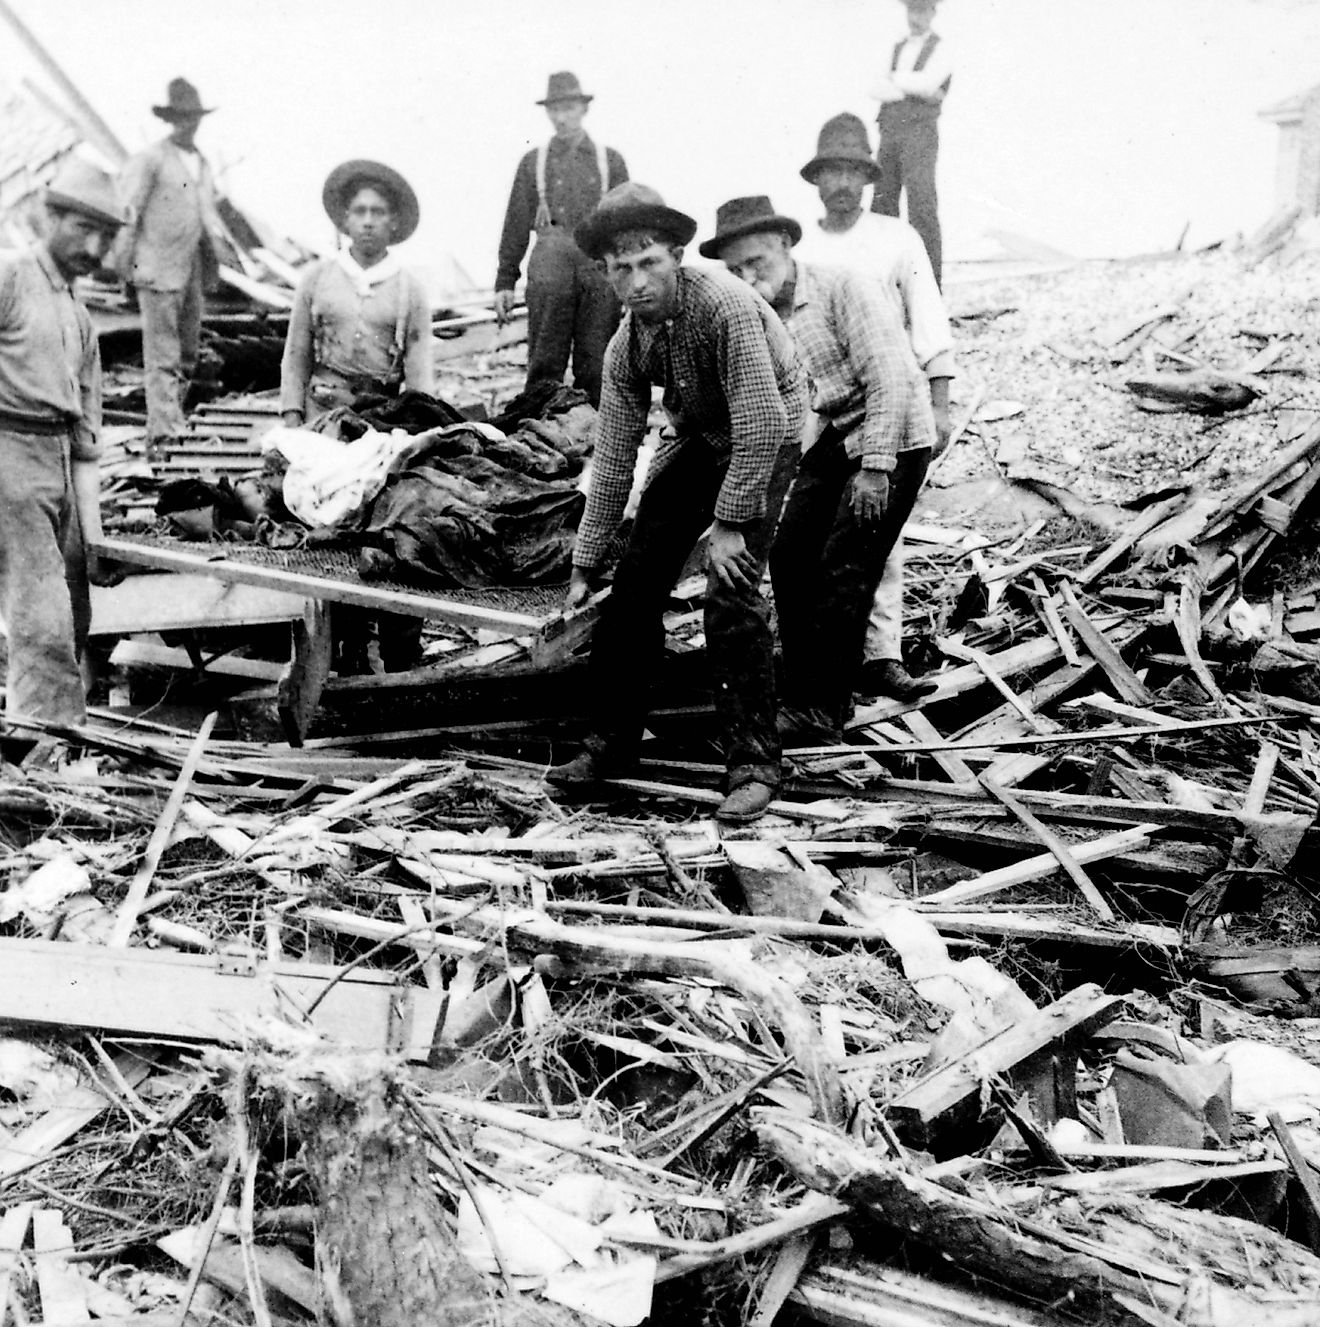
(351, 175)
(631, 206)
(182, 102)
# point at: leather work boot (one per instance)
(888, 677)
(747, 802)
(580, 772)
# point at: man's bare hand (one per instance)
(870, 496)
(103, 573)
(291, 419)
(579, 590)
(943, 432)
(730, 558)
(503, 306)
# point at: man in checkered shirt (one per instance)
(735, 398)
(858, 478)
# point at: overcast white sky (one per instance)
(1099, 126)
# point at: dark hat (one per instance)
(78, 186)
(351, 175)
(843, 138)
(563, 86)
(747, 216)
(182, 101)
(631, 206)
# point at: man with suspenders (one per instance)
(910, 97)
(571, 311)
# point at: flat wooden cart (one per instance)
(322, 577)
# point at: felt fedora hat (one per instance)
(563, 86)
(351, 175)
(747, 216)
(842, 139)
(182, 101)
(631, 206)
(79, 186)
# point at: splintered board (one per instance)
(331, 575)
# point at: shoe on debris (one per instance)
(888, 677)
(807, 727)
(745, 803)
(580, 772)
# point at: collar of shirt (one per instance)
(47, 265)
(584, 146)
(364, 278)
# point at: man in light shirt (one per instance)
(891, 253)
(167, 250)
(910, 96)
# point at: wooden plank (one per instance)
(141, 604)
(978, 657)
(1037, 868)
(1129, 686)
(312, 586)
(278, 1268)
(152, 654)
(950, 1097)
(1061, 851)
(1140, 526)
(301, 684)
(126, 916)
(949, 761)
(1304, 1174)
(63, 1290)
(201, 997)
(13, 1232)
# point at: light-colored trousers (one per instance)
(884, 628)
(44, 597)
(171, 332)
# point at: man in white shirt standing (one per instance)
(910, 97)
(891, 252)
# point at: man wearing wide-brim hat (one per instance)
(911, 95)
(889, 251)
(168, 252)
(50, 423)
(857, 480)
(571, 314)
(734, 395)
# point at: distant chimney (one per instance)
(1297, 168)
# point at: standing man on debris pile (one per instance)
(168, 252)
(911, 96)
(858, 479)
(889, 251)
(570, 309)
(735, 398)
(50, 424)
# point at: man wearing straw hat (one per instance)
(857, 481)
(168, 252)
(734, 396)
(891, 252)
(50, 423)
(571, 312)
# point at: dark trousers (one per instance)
(825, 568)
(907, 163)
(675, 508)
(570, 310)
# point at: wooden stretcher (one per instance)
(319, 578)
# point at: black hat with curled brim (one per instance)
(351, 175)
(631, 206)
(738, 217)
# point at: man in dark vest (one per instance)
(570, 308)
(910, 97)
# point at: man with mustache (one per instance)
(891, 252)
(50, 423)
(857, 481)
(735, 399)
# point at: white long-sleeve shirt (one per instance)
(891, 252)
(905, 81)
